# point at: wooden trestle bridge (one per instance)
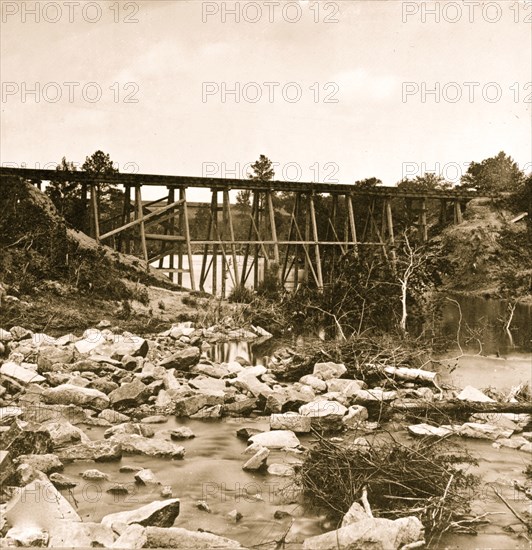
(303, 242)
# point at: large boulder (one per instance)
(322, 408)
(68, 394)
(51, 355)
(22, 374)
(258, 460)
(187, 406)
(182, 359)
(129, 395)
(329, 370)
(39, 504)
(81, 535)
(130, 428)
(160, 513)
(136, 444)
(47, 463)
(374, 533)
(64, 433)
(276, 439)
(177, 537)
(290, 421)
(99, 451)
(133, 537)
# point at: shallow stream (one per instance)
(212, 468)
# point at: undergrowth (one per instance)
(426, 479)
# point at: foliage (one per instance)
(426, 479)
(493, 175)
(70, 198)
(241, 295)
(426, 182)
(262, 171)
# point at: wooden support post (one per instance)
(245, 272)
(214, 217)
(180, 230)
(183, 195)
(423, 221)
(443, 212)
(316, 241)
(256, 257)
(140, 216)
(308, 263)
(227, 206)
(389, 223)
(221, 238)
(352, 225)
(457, 212)
(95, 215)
(126, 218)
(273, 229)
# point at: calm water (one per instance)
(212, 468)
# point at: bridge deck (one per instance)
(221, 184)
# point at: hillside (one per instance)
(55, 278)
(488, 254)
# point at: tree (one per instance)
(428, 181)
(66, 196)
(495, 174)
(262, 171)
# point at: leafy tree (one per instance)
(426, 182)
(66, 196)
(368, 183)
(262, 171)
(495, 174)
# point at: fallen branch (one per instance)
(507, 504)
(452, 406)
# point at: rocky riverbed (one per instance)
(98, 431)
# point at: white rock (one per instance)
(428, 430)
(482, 431)
(355, 415)
(258, 460)
(317, 384)
(283, 470)
(354, 514)
(290, 421)
(321, 409)
(329, 370)
(374, 533)
(68, 394)
(276, 439)
(133, 537)
(20, 373)
(26, 536)
(469, 393)
(149, 514)
(81, 535)
(177, 537)
(146, 477)
(40, 505)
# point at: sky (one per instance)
(329, 91)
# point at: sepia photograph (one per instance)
(266, 274)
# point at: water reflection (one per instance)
(480, 323)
